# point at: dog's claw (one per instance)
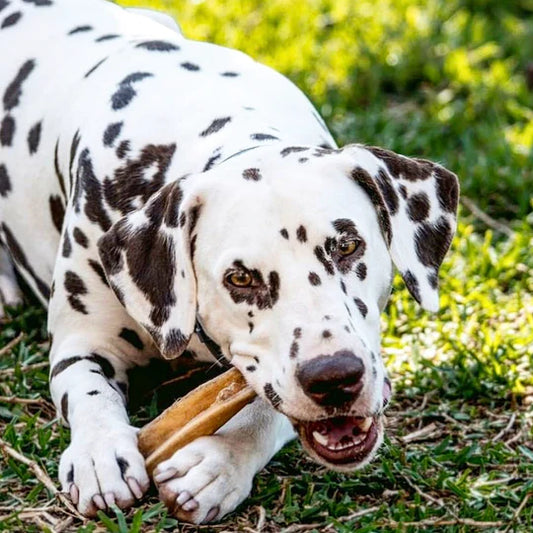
(99, 502)
(190, 505)
(183, 497)
(165, 475)
(135, 488)
(109, 498)
(212, 514)
(74, 494)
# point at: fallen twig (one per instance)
(41, 475)
(486, 219)
(11, 344)
(430, 430)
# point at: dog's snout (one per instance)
(332, 380)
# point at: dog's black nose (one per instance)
(332, 380)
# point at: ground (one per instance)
(447, 81)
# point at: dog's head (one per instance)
(285, 257)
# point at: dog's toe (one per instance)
(204, 480)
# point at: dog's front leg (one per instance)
(102, 464)
(211, 476)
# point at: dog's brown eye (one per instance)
(240, 279)
(346, 248)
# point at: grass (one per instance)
(441, 80)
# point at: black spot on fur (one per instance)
(365, 181)
(7, 130)
(64, 407)
(303, 159)
(361, 306)
(326, 263)
(301, 234)
(251, 368)
(80, 29)
(263, 137)
(433, 280)
(211, 161)
(14, 89)
(158, 46)
(140, 178)
(105, 365)
(326, 334)
(5, 182)
(131, 336)
(39, 3)
(250, 327)
(57, 211)
(92, 69)
(190, 66)
(447, 189)
(292, 149)
(388, 192)
(125, 92)
(403, 191)
(403, 167)
(11, 20)
(284, 233)
(123, 149)
(111, 133)
(107, 37)
(361, 271)
(70, 475)
(97, 267)
(314, 279)
(59, 174)
(418, 207)
(297, 333)
(88, 183)
(75, 288)
(215, 126)
(34, 136)
(251, 174)
(230, 74)
(67, 245)
(176, 341)
(123, 465)
(343, 287)
(73, 151)
(80, 237)
(93, 393)
(412, 284)
(432, 242)
(271, 395)
(20, 258)
(63, 365)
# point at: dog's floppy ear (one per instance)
(147, 260)
(416, 201)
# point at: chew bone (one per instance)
(199, 413)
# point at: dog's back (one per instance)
(88, 75)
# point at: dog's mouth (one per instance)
(342, 442)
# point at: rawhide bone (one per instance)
(199, 413)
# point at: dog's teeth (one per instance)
(321, 439)
(365, 425)
(358, 440)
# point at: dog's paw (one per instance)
(204, 480)
(102, 467)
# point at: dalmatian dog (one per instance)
(156, 191)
